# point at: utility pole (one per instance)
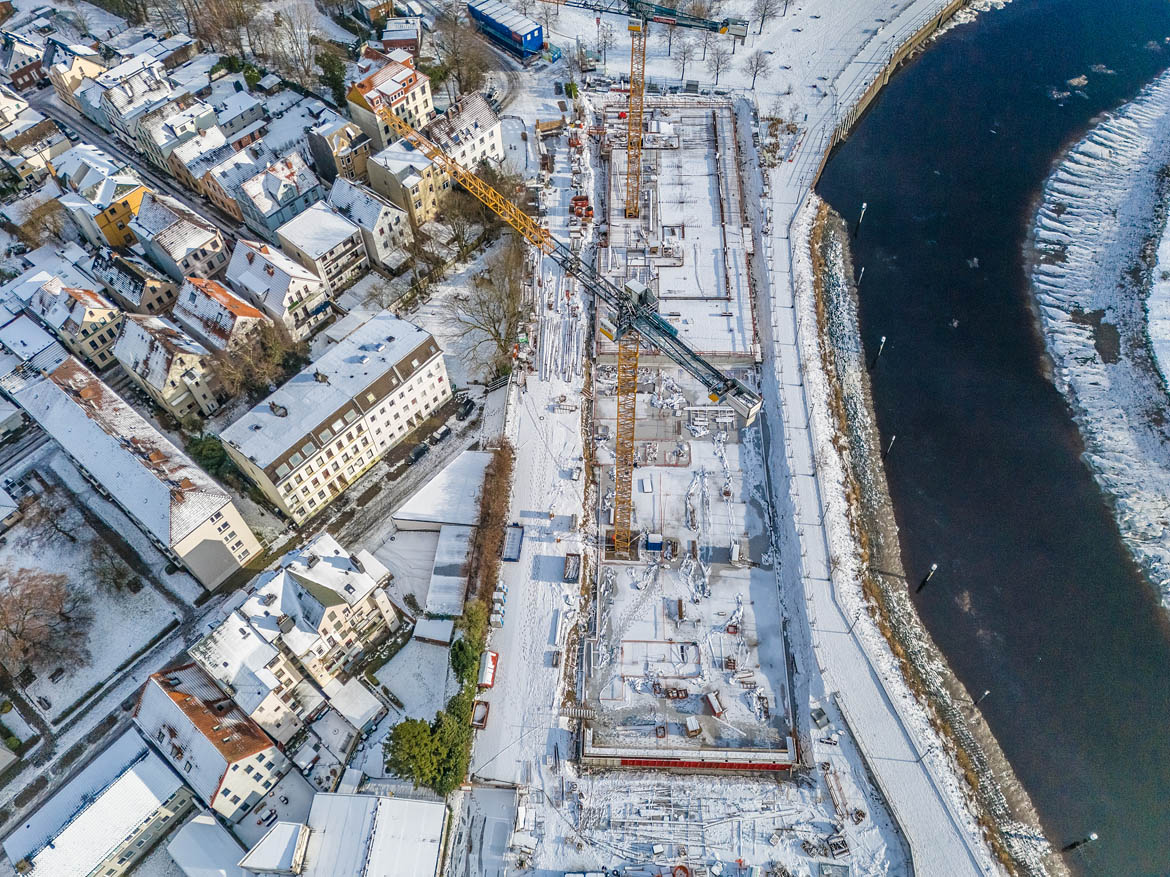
(929, 576)
(886, 452)
(1076, 844)
(857, 227)
(981, 697)
(856, 619)
(859, 276)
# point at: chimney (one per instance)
(321, 377)
(357, 564)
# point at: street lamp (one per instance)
(929, 576)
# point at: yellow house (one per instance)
(102, 194)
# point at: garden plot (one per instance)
(420, 677)
(105, 626)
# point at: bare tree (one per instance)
(108, 570)
(49, 519)
(756, 63)
(493, 309)
(765, 9)
(686, 54)
(295, 36)
(258, 361)
(719, 61)
(460, 213)
(37, 609)
(44, 224)
(463, 52)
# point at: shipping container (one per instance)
(715, 703)
(513, 541)
(487, 669)
(511, 30)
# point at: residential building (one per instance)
(322, 239)
(394, 85)
(28, 153)
(20, 62)
(322, 607)
(176, 371)
(340, 149)
(284, 289)
(278, 193)
(135, 285)
(104, 195)
(374, 11)
(266, 682)
(130, 90)
(404, 33)
(238, 112)
(385, 226)
(213, 315)
(221, 181)
(15, 113)
(469, 132)
(290, 118)
(308, 441)
(351, 835)
(190, 160)
(163, 129)
(410, 180)
(203, 848)
(222, 754)
(70, 70)
(86, 322)
(178, 241)
(181, 510)
(106, 818)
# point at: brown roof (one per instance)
(217, 292)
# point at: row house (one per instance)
(287, 291)
(213, 315)
(308, 441)
(134, 284)
(86, 322)
(177, 240)
(340, 149)
(210, 742)
(283, 189)
(221, 181)
(323, 240)
(104, 194)
(409, 179)
(71, 69)
(392, 85)
(384, 225)
(29, 153)
(189, 161)
(167, 127)
(130, 90)
(20, 62)
(173, 369)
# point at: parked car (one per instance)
(465, 410)
(417, 453)
(441, 433)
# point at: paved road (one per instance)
(44, 100)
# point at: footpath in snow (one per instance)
(1092, 266)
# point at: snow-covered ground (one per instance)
(420, 677)
(1101, 205)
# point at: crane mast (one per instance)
(630, 316)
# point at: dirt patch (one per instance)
(1106, 336)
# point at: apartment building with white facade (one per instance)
(322, 239)
(213, 315)
(308, 441)
(393, 84)
(385, 226)
(177, 240)
(284, 289)
(210, 742)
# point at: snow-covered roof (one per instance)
(280, 851)
(290, 601)
(353, 702)
(282, 181)
(235, 104)
(288, 127)
(360, 204)
(84, 164)
(269, 81)
(237, 657)
(148, 346)
(21, 210)
(448, 588)
(402, 160)
(63, 308)
(203, 848)
(203, 151)
(505, 15)
(91, 815)
(266, 275)
(211, 313)
(24, 337)
(379, 346)
(134, 84)
(390, 81)
(436, 630)
(467, 118)
(369, 836)
(146, 474)
(452, 494)
(317, 230)
(199, 724)
(125, 274)
(171, 226)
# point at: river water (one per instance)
(1035, 597)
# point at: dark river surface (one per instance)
(1035, 598)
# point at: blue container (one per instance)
(507, 28)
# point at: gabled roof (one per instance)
(57, 304)
(148, 476)
(467, 118)
(361, 205)
(84, 164)
(237, 657)
(267, 275)
(125, 274)
(171, 226)
(199, 724)
(210, 312)
(148, 346)
(280, 183)
(203, 848)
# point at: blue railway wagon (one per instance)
(506, 27)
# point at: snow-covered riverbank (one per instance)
(1092, 259)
